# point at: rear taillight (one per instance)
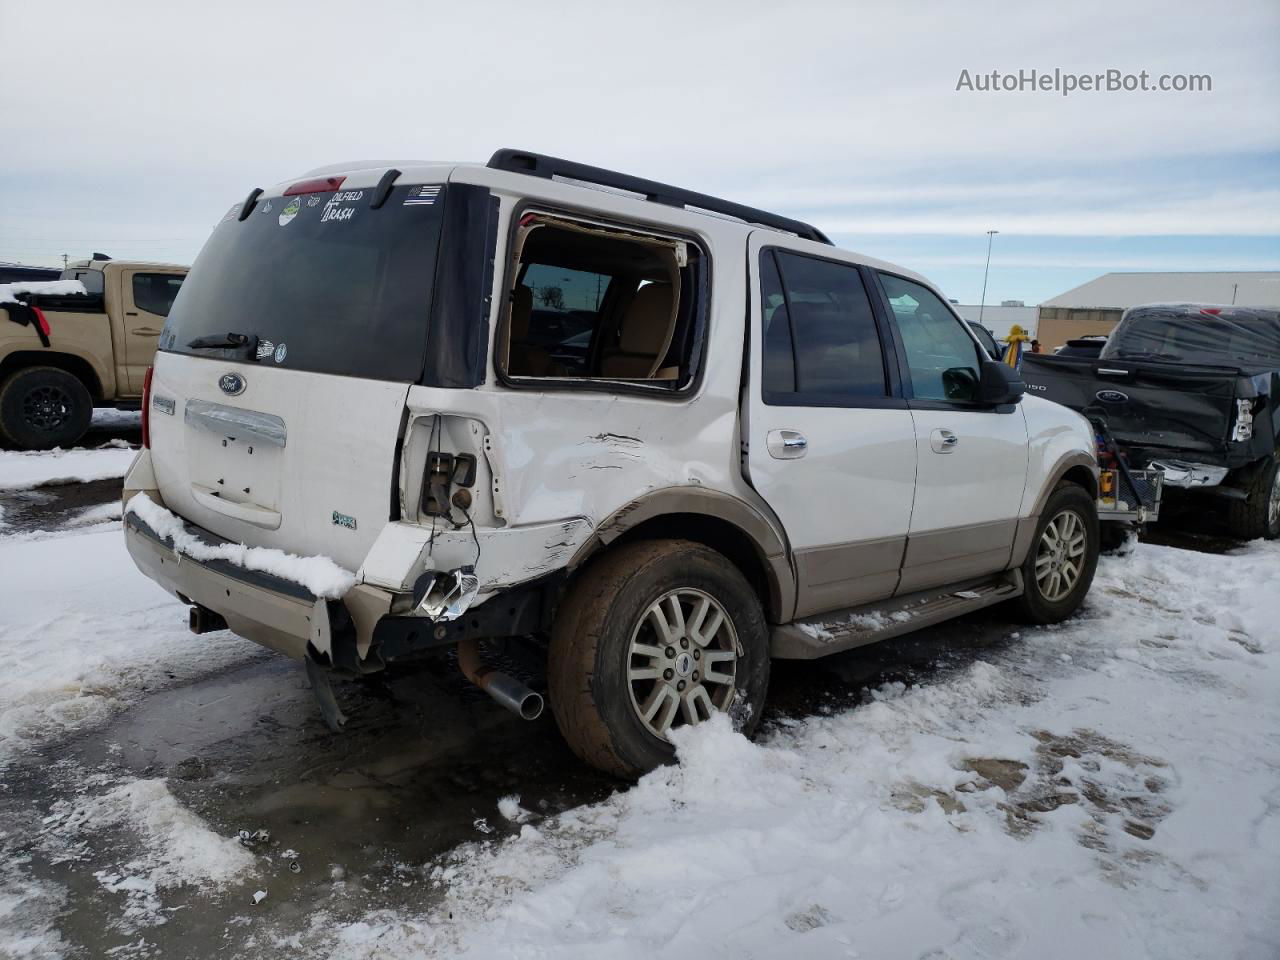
(1243, 428)
(146, 408)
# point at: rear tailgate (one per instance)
(299, 461)
(289, 440)
(1181, 409)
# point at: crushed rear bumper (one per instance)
(277, 613)
(265, 609)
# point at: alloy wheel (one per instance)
(1060, 555)
(682, 662)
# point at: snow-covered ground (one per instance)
(1106, 788)
(83, 633)
(22, 469)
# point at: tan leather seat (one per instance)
(643, 337)
(524, 359)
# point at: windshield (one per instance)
(1234, 336)
(330, 284)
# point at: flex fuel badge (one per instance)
(290, 211)
(342, 520)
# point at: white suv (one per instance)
(397, 412)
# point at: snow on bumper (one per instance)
(248, 591)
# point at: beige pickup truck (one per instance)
(62, 354)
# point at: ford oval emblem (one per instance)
(1111, 396)
(232, 384)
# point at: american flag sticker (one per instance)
(424, 194)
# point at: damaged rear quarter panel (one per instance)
(566, 460)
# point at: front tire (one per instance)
(1059, 567)
(655, 635)
(42, 408)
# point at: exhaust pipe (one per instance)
(507, 690)
(204, 620)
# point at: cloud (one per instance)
(1227, 212)
(150, 127)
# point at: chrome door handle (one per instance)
(943, 441)
(787, 444)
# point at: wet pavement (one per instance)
(55, 506)
(356, 820)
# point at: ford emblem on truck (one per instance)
(232, 384)
(1111, 396)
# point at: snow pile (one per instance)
(511, 810)
(23, 469)
(178, 847)
(82, 633)
(1103, 788)
(320, 575)
(9, 291)
(29, 913)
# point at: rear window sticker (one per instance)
(425, 194)
(332, 211)
(290, 211)
(266, 207)
(313, 201)
(265, 349)
(282, 351)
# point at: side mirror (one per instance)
(1001, 384)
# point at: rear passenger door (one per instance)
(147, 296)
(831, 445)
(972, 458)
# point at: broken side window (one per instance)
(590, 302)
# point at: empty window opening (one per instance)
(595, 303)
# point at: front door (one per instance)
(146, 296)
(831, 447)
(972, 459)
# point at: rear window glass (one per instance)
(92, 279)
(331, 284)
(1232, 337)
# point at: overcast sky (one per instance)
(131, 127)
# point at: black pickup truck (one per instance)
(1191, 390)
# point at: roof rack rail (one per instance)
(540, 165)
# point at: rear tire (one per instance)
(1059, 567)
(42, 408)
(1259, 516)
(609, 664)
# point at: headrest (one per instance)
(647, 322)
